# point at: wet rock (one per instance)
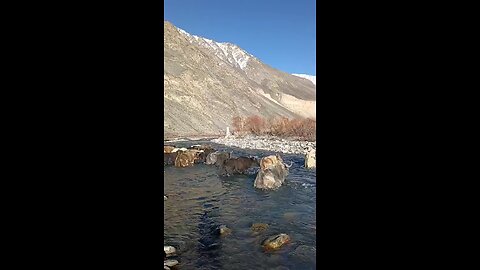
(259, 227)
(169, 250)
(166, 267)
(224, 230)
(170, 263)
(276, 241)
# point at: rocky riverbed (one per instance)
(266, 143)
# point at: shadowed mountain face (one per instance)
(206, 83)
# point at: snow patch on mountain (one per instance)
(224, 50)
(311, 78)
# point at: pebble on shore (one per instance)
(267, 143)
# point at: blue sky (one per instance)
(280, 33)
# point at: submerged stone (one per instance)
(169, 250)
(290, 216)
(170, 263)
(276, 241)
(258, 227)
(224, 230)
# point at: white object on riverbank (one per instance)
(227, 134)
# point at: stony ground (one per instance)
(266, 143)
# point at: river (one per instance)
(199, 200)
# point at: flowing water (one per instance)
(199, 200)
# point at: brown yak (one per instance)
(217, 158)
(272, 174)
(168, 148)
(186, 158)
(239, 165)
(205, 151)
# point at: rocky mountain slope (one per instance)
(311, 78)
(206, 83)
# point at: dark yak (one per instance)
(239, 165)
(169, 158)
(217, 158)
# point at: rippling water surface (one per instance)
(199, 200)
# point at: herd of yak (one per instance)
(271, 175)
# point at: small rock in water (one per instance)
(290, 216)
(258, 227)
(170, 263)
(224, 230)
(169, 249)
(276, 241)
(164, 197)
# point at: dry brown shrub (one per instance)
(255, 124)
(278, 126)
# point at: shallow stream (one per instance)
(199, 200)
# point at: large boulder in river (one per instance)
(276, 241)
(272, 174)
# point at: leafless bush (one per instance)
(280, 127)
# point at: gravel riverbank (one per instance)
(266, 143)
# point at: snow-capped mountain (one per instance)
(224, 50)
(311, 78)
(207, 83)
